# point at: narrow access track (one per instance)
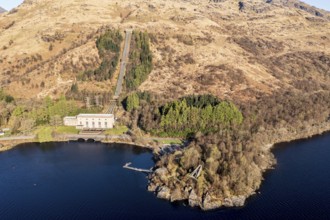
(122, 71)
(16, 138)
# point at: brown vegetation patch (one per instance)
(9, 25)
(185, 39)
(259, 46)
(185, 59)
(301, 64)
(52, 38)
(227, 74)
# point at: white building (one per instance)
(91, 121)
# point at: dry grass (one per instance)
(214, 34)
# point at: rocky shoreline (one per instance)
(8, 145)
(205, 202)
(160, 184)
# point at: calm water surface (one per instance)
(87, 181)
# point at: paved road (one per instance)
(124, 61)
(83, 136)
(14, 138)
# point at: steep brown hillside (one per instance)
(233, 49)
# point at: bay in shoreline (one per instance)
(87, 181)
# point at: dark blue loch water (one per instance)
(87, 181)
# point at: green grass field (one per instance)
(66, 130)
(118, 130)
(44, 134)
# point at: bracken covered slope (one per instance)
(233, 49)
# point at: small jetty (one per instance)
(127, 166)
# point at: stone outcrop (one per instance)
(193, 199)
(164, 193)
(234, 201)
(211, 203)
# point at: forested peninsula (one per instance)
(231, 143)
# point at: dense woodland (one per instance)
(291, 112)
(140, 61)
(207, 114)
(229, 141)
(185, 116)
(108, 45)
